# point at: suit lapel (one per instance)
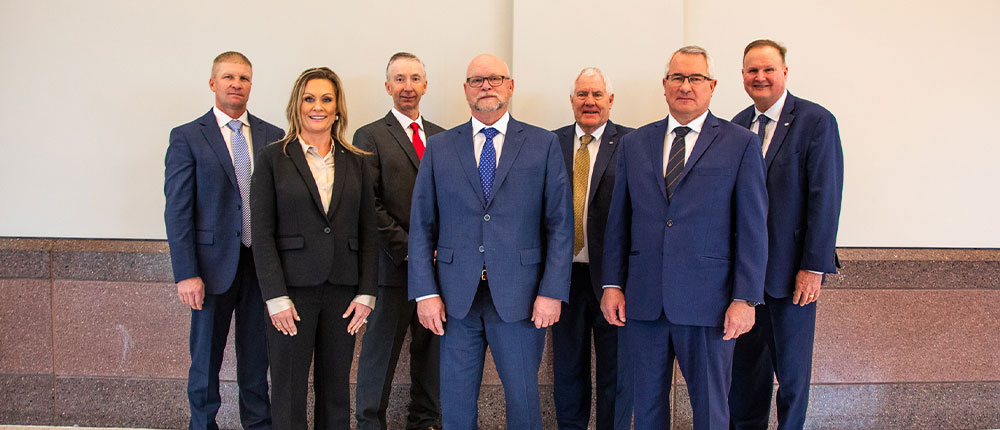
(294, 150)
(512, 143)
(258, 135)
(339, 172)
(566, 141)
(397, 133)
(780, 130)
(465, 148)
(213, 135)
(709, 131)
(604, 153)
(656, 142)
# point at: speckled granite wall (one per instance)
(93, 335)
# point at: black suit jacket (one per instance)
(602, 183)
(393, 167)
(295, 243)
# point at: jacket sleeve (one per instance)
(557, 225)
(180, 190)
(367, 234)
(389, 230)
(423, 231)
(750, 225)
(824, 172)
(617, 232)
(263, 219)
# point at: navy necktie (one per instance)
(241, 163)
(488, 162)
(675, 161)
(762, 121)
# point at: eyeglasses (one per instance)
(477, 81)
(582, 95)
(677, 79)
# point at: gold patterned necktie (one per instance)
(581, 174)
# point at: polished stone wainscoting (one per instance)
(93, 335)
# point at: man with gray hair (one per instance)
(686, 246)
(397, 144)
(589, 147)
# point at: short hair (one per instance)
(692, 50)
(405, 55)
(229, 57)
(294, 115)
(761, 43)
(591, 71)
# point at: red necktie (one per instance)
(418, 144)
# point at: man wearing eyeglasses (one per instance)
(492, 202)
(589, 146)
(686, 246)
(805, 180)
(397, 145)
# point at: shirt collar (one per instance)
(405, 121)
(774, 111)
(306, 147)
(500, 125)
(695, 124)
(223, 118)
(597, 133)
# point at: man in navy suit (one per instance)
(805, 180)
(589, 146)
(492, 202)
(686, 246)
(207, 180)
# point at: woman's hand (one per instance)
(360, 317)
(284, 321)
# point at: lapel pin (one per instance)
(611, 142)
(787, 124)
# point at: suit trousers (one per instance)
(705, 361)
(571, 338)
(380, 348)
(780, 345)
(517, 352)
(209, 332)
(321, 332)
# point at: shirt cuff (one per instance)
(813, 271)
(612, 286)
(278, 304)
(421, 298)
(365, 299)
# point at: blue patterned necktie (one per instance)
(241, 163)
(762, 121)
(675, 160)
(488, 162)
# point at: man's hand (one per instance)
(739, 319)
(807, 286)
(613, 306)
(191, 291)
(284, 321)
(546, 311)
(360, 317)
(430, 312)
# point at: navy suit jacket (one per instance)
(602, 184)
(691, 256)
(203, 214)
(805, 181)
(523, 235)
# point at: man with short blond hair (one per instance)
(207, 183)
(805, 180)
(397, 145)
(686, 246)
(589, 147)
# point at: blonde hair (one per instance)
(294, 115)
(229, 57)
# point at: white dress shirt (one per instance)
(773, 114)
(405, 121)
(227, 133)
(592, 148)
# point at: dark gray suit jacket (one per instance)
(393, 168)
(602, 183)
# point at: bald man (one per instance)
(492, 201)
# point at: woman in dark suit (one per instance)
(314, 232)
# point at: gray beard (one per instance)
(475, 107)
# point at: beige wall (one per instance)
(90, 91)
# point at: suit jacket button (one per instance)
(670, 223)
(326, 230)
(482, 248)
(486, 217)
